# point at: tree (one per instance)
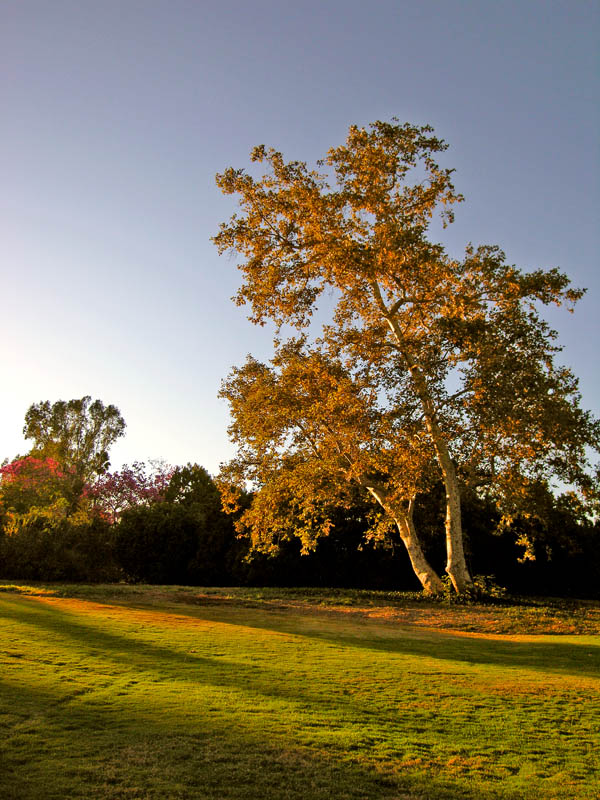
(77, 433)
(307, 431)
(193, 489)
(430, 367)
(31, 482)
(191, 485)
(184, 538)
(133, 485)
(45, 532)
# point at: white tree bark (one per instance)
(456, 566)
(428, 577)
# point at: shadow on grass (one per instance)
(91, 753)
(558, 656)
(261, 685)
(95, 752)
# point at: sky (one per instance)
(116, 116)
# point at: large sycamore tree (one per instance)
(429, 369)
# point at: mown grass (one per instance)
(156, 692)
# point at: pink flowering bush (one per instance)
(32, 482)
(133, 485)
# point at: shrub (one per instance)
(43, 547)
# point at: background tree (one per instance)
(33, 482)
(133, 485)
(77, 433)
(455, 348)
(45, 532)
(185, 537)
(192, 488)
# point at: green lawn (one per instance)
(141, 692)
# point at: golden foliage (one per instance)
(431, 368)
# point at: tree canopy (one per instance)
(430, 367)
(77, 433)
(133, 485)
(31, 482)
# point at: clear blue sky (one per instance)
(116, 115)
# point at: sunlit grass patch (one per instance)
(516, 615)
(147, 696)
(15, 588)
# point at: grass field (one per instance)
(156, 692)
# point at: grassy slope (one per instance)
(130, 692)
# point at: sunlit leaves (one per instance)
(431, 367)
(78, 433)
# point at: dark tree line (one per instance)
(186, 538)
(65, 517)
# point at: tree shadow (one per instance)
(558, 656)
(262, 684)
(137, 753)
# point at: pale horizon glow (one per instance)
(116, 117)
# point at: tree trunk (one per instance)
(430, 580)
(456, 566)
(428, 577)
